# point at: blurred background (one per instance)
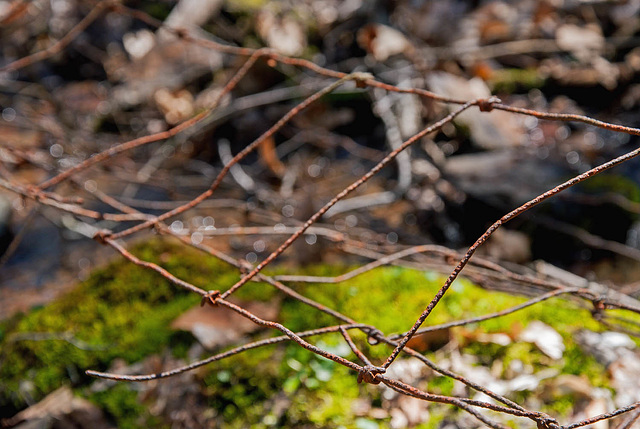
(121, 78)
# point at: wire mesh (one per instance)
(128, 221)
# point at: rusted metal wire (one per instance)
(604, 416)
(347, 191)
(366, 372)
(513, 309)
(630, 420)
(246, 151)
(506, 218)
(223, 355)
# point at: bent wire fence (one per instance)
(478, 269)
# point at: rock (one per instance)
(508, 245)
(606, 347)
(624, 378)
(505, 176)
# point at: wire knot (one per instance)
(210, 298)
(245, 267)
(368, 374)
(361, 78)
(547, 422)
(373, 335)
(598, 307)
(486, 104)
(102, 236)
(180, 32)
(34, 192)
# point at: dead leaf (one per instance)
(176, 106)
(63, 408)
(269, 157)
(624, 378)
(545, 338)
(430, 340)
(219, 326)
(583, 42)
(493, 130)
(382, 41)
(282, 33)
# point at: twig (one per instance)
(631, 419)
(605, 416)
(247, 150)
(62, 43)
(123, 147)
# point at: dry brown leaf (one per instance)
(269, 157)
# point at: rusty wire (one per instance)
(366, 371)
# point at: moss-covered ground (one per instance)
(124, 311)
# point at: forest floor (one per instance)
(68, 304)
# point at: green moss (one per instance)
(441, 385)
(398, 292)
(511, 80)
(576, 362)
(124, 311)
(317, 392)
(238, 387)
(158, 10)
(436, 417)
(120, 311)
(613, 183)
(247, 6)
(121, 404)
(562, 405)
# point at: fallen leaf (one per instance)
(583, 42)
(61, 409)
(282, 33)
(545, 338)
(383, 42)
(269, 156)
(176, 106)
(493, 130)
(220, 326)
